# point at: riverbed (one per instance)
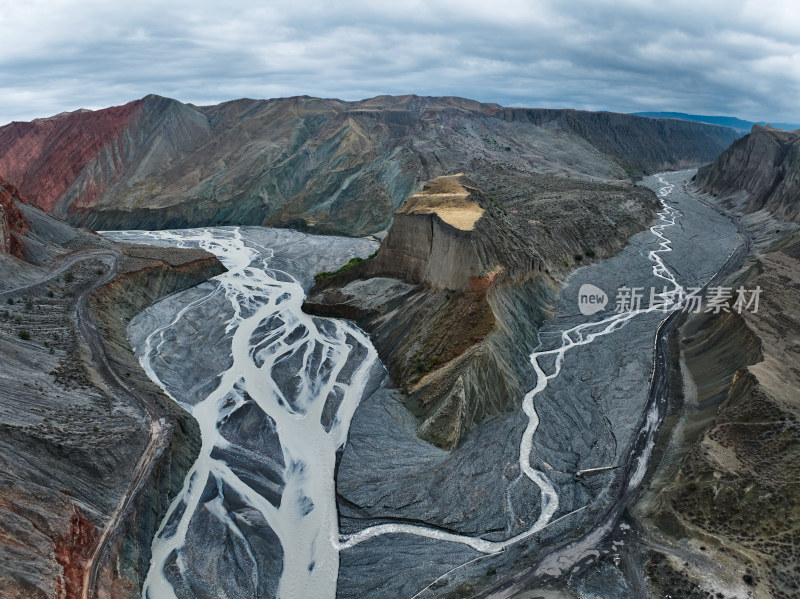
(280, 395)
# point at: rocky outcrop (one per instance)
(318, 165)
(765, 165)
(12, 221)
(438, 239)
(455, 294)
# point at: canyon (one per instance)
(335, 349)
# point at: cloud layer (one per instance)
(720, 57)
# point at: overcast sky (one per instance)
(728, 57)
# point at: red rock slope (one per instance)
(11, 221)
(45, 156)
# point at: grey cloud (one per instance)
(712, 57)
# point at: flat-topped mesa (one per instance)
(438, 237)
(460, 285)
(447, 198)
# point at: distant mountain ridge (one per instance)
(321, 165)
(723, 121)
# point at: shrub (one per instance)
(10, 301)
(69, 277)
(24, 335)
(590, 253)
(578, 257)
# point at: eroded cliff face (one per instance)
(319, 165)
(147, 275)
(455, 295)
(12, 222)
(766, 165)
(438, 239)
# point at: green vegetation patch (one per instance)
(353, 261)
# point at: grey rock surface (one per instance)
(70, 435)
(762, 169)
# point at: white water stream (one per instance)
(581, 334)
(336, 359)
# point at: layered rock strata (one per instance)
(76, 412)
(734, 497)
(762, 171)
(320, 165)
